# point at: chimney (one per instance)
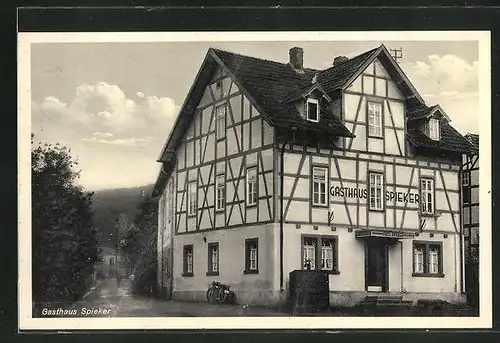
(339, 60)
(297, 58)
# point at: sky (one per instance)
(114, 104)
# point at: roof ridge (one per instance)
(353, 58)
(261, 59)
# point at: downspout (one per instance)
(402, 274)
(282, 185)
(462, 211)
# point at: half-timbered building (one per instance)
(272, 167)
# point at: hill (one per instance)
(110, 204)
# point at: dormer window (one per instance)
(312, 110)
(433, 129)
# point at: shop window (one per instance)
(428, 259)
(320, 253)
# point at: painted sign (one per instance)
(362, 193)
(383, 234)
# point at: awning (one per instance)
(384, 234)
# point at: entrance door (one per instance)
(376, 267)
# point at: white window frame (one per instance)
(433, 129)
(418, 259)
(192, 201)
(188, 259)
(319, 187)
(327, 247)
(426, 191)
(220, 192)
(252, 257)
(220, 121)
(252, 191)
(316, 102)
(427, 258)
(375, 127)
(433, 260)
(214, 258)
(309, 252)
(376, 185)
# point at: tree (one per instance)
(139, 244)
(63, 237)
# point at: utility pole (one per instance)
(397, 54)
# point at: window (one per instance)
(320, 253)
(252, 186)
(312, 109)
(220, 118)
(427, 259)
(187, 260)
(220, 194)
(309, 253)
(251, 256)
(192, 198)
(376, 184)
(112, 261)
(213, 259)
(327, 254)
(465, 178)
(427, 195)
(433, 129)
(319, 186)
(374, 119)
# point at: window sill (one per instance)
(221, 139)
(212, 273)
(376, 210)
(329, 272)
(191, 215)
(220, 210)
(187, 274)
(376, 137)
(251, 205)
(251, 271)
(319, 205)
(427, 215)
(438, 275)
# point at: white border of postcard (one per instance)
(26, 322)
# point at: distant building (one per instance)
(470, 196)
(111, 263)
(272, 167)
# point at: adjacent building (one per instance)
(470, 192)
(272, 167)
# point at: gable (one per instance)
(376, 80)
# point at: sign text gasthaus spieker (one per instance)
(362, 193)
